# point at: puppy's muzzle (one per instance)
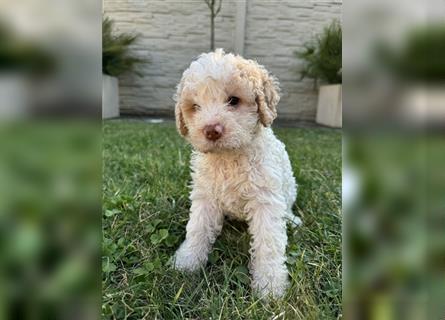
(213, 132)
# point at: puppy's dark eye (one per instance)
(233, 101)
(196, 107)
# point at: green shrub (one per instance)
(22, 55)
(116, 55)
(420, 57)
(322, 55)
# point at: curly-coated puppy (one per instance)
(224, 107)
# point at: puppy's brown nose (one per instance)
(213, 132)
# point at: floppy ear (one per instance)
(180, 124)
(267, 97)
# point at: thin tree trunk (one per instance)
(213, 13)
(212, 31)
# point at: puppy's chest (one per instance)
(231, 184)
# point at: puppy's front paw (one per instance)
(187, 260)
(271, 284)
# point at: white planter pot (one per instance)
(110, 97)
(14, 96)
(329, 109)
(422, 105)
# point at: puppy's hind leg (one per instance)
(204, 225)
(292, 219)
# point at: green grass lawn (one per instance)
(145, 211)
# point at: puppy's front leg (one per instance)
(204, 225)
(267, 227)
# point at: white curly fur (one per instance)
(245, 174)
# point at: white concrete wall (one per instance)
(175, 32)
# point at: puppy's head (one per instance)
(223, 100)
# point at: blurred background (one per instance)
(394, 150)
(50, 159)
(50, 58)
